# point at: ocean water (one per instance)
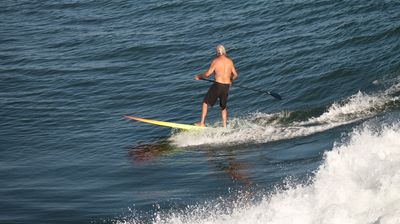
(329, 152)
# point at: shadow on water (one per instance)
(221, 160)
(226, 160)
(142, 153)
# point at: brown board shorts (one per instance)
(217, 90)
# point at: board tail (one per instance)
(164, 123)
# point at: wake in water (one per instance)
(262, 128)
(358, 182)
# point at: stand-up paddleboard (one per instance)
(165, 124)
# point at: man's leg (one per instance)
(203, 114)
(223, 99)
(224, 113)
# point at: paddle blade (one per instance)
(276, 95)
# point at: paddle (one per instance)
(275, 95)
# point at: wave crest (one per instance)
(358, 183)
(263, 127)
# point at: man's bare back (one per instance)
(223, 68)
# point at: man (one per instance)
(225, 72)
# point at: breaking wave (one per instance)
(358, 182)
(263, 127)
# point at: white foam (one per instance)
(357, 106)
(358, 183)
(262, 127)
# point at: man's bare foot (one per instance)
(199, 124)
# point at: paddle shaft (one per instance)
(277, 96)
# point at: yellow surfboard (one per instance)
(165, 124)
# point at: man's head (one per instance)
(220, 49)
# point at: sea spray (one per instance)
(358, 183)
(263, 127)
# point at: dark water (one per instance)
(69, 71)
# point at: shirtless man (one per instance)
(225, 72)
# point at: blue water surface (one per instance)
(70, 70)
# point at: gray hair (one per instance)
(220, 49)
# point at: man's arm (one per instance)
(234, 72)
(207, 73)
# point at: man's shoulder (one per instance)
(223, 59)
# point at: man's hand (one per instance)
(198, 77)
